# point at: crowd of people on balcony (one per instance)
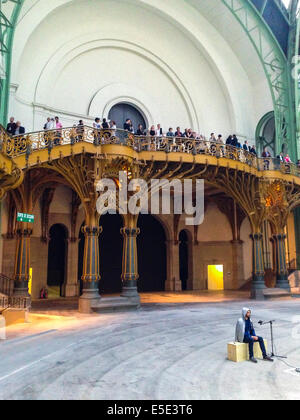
(15, 128)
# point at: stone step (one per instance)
(117, 304)
(272, 294)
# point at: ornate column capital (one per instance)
(280, 237)
(130, 232)
(92, 230)
(25, 233)
(257, 236)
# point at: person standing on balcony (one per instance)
(170, 133)
(58, 124)
(80, 131)
(159, 131)
(140, 131)
(49, 124)
(266, 153)
(246, 146)
(287, 159)
(178, 132)
(11, 127)
(97, 124)
(19, 129)
(229, 141)
(281, 157)
(58, 127)
(213, 138)
(105, 124)
(127, 125)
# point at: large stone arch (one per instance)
(182, 20)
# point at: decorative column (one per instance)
(281, 267)
(258, 283)
(130, 274)
(91, 269)
(22, 264)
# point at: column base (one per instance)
(130, 292)
(178, 286)
(88, 300)
(21, 293)
(72, 290)
(170, 285)
(258, 288)
(283, 283)
(258, 294)
(117, 304)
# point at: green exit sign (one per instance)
(26, 218)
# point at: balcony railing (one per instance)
(6, 285)
(26, 144)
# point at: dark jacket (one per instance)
(21, 131)
(249, 330)
(11, 128)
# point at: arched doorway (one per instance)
(121, 112)
(57, 260)
(111, 249)
(152, 255)
(184, 259)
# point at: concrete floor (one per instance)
(173, 348)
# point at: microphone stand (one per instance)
(272, 339)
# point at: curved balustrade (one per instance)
(41, 140)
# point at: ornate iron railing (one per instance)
(7, 300)
(47, 140)
(6, 285)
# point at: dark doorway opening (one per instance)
(57, 267)
(111, 250)
(121, 112)
(184, 259)
(152, 255)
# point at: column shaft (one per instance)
(258, 283)
(22, 264)
(130, 274)
(91, 268)
(281, 266)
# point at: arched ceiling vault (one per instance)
(250, 19)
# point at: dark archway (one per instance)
(184, 259)
(152, 255)
(57, 260)
(111, 250)
(121, 112)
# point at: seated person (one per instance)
(245, 333)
